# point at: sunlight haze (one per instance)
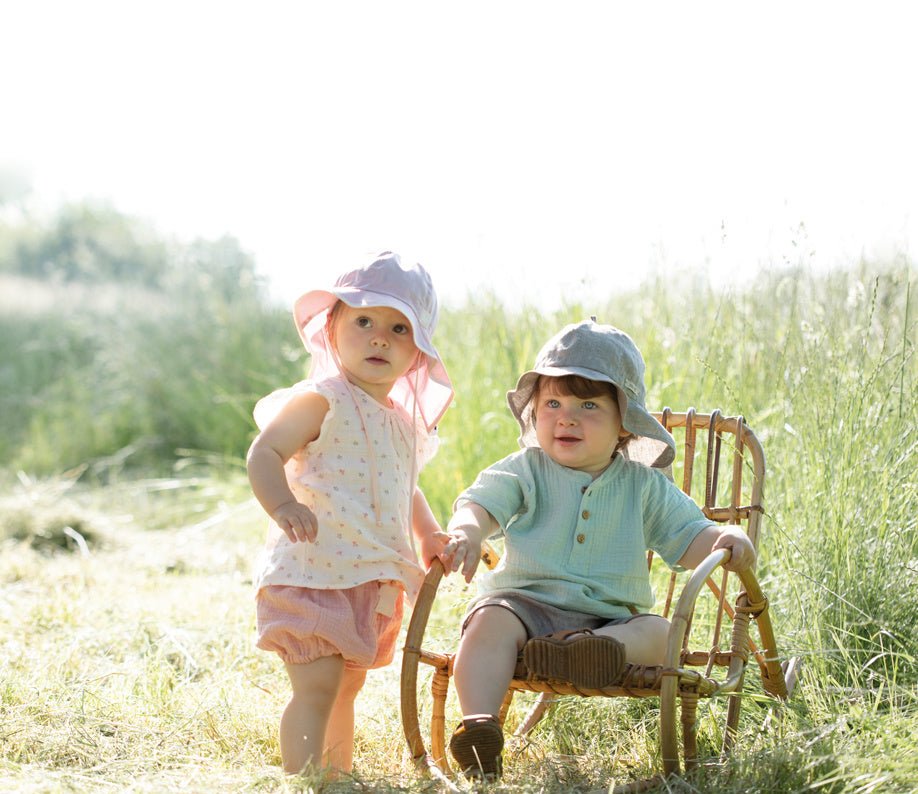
(550, 151)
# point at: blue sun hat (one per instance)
(385, 281)
(601, 353)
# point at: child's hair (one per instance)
(578, 386)
(582, 388)
(333, 313)
(332, 320)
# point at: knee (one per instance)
(645, 639)
(657, 633)
(317, 698)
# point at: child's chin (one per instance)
(570, 461)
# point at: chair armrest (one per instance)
(410, 655)
(685, 606)
(751, 604)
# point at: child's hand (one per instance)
(432, 547)
(463, 550)
(297, 521)
(742, 554)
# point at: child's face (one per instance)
(578, 432)
(375, 346)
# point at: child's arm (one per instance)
(742, 554)
(468, 527)
(297, 423)
(430, 537)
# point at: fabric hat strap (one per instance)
(374, 484)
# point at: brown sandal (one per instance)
(589, 662)
(476, 746)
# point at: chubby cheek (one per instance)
(542, 432)
(411, 356)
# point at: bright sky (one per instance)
(548, 149)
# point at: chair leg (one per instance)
(690, 729)
(536, 713)
(731, 729)
(791, 670)
(439, 686)
(669, 744)
(505, 707)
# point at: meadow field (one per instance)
(127, 532)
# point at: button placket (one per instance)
(585, 515)
(581, 536)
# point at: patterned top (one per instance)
(332, 477)
(578, 543)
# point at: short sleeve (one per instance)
(502, 489)
(671, 519)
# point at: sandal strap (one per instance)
(478, 719)
(567, 633)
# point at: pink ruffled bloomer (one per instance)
(359, 623)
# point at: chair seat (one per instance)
(636, 681)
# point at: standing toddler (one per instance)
(335, 466)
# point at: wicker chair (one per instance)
(695, 668)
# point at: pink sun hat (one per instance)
(385, 281)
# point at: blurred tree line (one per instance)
(122, 348)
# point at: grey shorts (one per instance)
(540, 619)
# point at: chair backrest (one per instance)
(719, 463)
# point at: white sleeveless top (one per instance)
(332, 477)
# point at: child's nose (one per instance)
(380, 339)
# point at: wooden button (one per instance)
(585, 514)
(581, 537)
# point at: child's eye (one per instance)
(552, 404)
(401, 328)
(364, 322)
(589, 405)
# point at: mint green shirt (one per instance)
(578, 543)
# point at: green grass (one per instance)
(127, 660)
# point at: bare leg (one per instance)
(339, 738)
(486, 659)
(305, 719)
(644, 638)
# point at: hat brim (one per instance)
(313, 303)
(655, 446)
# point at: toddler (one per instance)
(578, 507)
(335, 466)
